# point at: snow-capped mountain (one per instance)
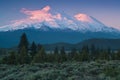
(45, 26)
(60, 21)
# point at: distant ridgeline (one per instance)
(69, 29)
(10, 39)
(67, 39)
(26, 53)
(113, 44)
(101, 43)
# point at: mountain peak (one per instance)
(83, 17)
(36, 19)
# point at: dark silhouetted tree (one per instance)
(56, 51)
(5, 60)
(23, 56)
(56, 55)
(33, 49)
(104, 55)
(63, 54)
(85, 54)
(12, 58)
(72, 54)
(39, 47)
(40, 57)
(93, 52)
(117, 55)
(23, 43)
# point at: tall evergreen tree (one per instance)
(117, 55)
(5, 60)
(33, 49)
(72, 54)
(63, 54)
(85, 54)
(23, 56)
(12, 58)
(56, 51)
(96, 57)
(40, 57)
(104, 55)
(56, 54)
(93, 50)
(23, 42)
(109, 51)
(39, 47)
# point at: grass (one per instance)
(94, 70)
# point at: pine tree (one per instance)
(96, 57)
(93, 52)
(109, 53)
(23, 56)
(39, 47)
(40, 57)
(56, 51)
(56, 55)
(33, 49)
(104, 55)
(23, 42)
(5, 60)
(72, 54)
(93, 49)
(12, 58)
(85, 53)
(63, 54)
(117, 55)
(50, 57)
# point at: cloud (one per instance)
(82, 17)
(37, 16)
(41, 15)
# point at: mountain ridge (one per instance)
(45, 17)
(99, 43)
(43, 26)
(11, 38)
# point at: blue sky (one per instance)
(107, 11)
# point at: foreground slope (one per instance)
(100, 70)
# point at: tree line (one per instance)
(35, 53)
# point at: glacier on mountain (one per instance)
(44, 20)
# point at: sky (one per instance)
(106, 11)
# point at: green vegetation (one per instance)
(35, 53)
(40, 57)
(32, 62)
(94, 70)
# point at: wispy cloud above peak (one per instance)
(36, 18)
(83, 17)
(33, 17)
(109, 15)
(42, 14)
(46, 9)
